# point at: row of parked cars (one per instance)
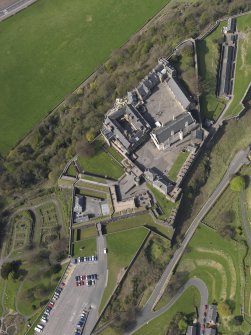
(45, 317)
(81, 323)
(85, 259)
(87, 280)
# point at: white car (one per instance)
(38, 330)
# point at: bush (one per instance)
(237, 320)
(224, 309)
(237, 184)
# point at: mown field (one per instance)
(243, 65)
(67, 42)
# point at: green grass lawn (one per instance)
(81, 234)
(229, 201)
(72, 172)
(165, 205)
(186, 304)
(67, 42)
(24, 305)
(243, 65)
(137, 221)
(101, 163)
(208, 59)
(86, 247)
(12, 287)
(122, 246)
(177, 165)
(97, 179)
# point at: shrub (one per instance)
(237, 184)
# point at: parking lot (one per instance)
(67, 310)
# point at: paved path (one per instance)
(15, 8)
(244, 219)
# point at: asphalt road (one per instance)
(67, 310)
(147, 316)
(13, 9)
(147, 313)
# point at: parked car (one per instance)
(38, 330)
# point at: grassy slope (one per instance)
(185, 304)
(120, 254)
(177, 165)
(140, 220)
(101, 163)
(162, 201)
(243, 67)
(208, 57)
(67, 42)
(25, 307)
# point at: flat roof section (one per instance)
(162, 105)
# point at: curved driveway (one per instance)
(148, 315)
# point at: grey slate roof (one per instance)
(178, 93)
(211, 314)
(162, 185)
(210, 331)
(150, 174)
(165, 132)
(132, 97)
(226, 70)
(191, 330)
(231, 24)
(143, 90)
(111, 125)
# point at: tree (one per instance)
(237, 320)
(6, 270)
(182, 325)
(237, 184)
(90, 134)
(84, 148)
(228, 216)
(227, 232)
(224, 309)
